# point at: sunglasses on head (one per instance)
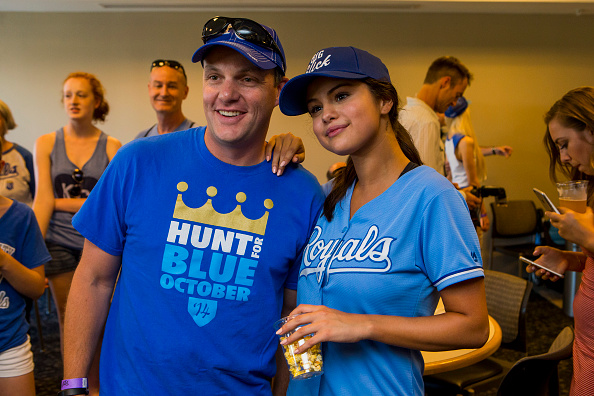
(171, 63)
(244, 28)
(78, 176)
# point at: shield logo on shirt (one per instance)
(201, 310)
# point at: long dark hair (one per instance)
(345, 176)
(574, 110)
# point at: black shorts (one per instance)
(63, 259)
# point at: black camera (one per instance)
(490, 191)
(486, 191)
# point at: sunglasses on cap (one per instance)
(171, 63)
(78, 176)
(245, 29)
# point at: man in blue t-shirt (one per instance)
(207, 238)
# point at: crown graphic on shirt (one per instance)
(206, 214)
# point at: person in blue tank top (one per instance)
(390, 242)
(69, 162)
(22, 255)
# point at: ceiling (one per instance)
(580, 7)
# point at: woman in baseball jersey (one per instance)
(390, 242)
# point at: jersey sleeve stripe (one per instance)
(463, 273)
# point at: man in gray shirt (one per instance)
(168, 88)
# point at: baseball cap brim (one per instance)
(292, 101)
(252, 52)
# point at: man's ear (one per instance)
(279, 88)
(445, 82)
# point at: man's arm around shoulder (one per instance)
(87, 308)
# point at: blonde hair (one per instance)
(463, 125)
(8, 123)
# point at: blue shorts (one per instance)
(63, 259)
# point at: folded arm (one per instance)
(29, 282)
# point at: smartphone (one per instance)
(545, 201)
(524, 259)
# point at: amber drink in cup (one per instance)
(304, 365)
(573, 195)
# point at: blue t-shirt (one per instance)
(391, 258)
(21, 238)
(207, 250)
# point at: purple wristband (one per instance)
(74, 383)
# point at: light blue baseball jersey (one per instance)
(392, 258)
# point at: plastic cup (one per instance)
(573, 195)
(304, 365)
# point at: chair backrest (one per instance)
(507, 300)
(538, 375)
(517, 218)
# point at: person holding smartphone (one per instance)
(569, 140)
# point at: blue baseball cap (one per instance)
(457, 109)
(264, 58)
(338, 62)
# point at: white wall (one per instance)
(521, 63)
